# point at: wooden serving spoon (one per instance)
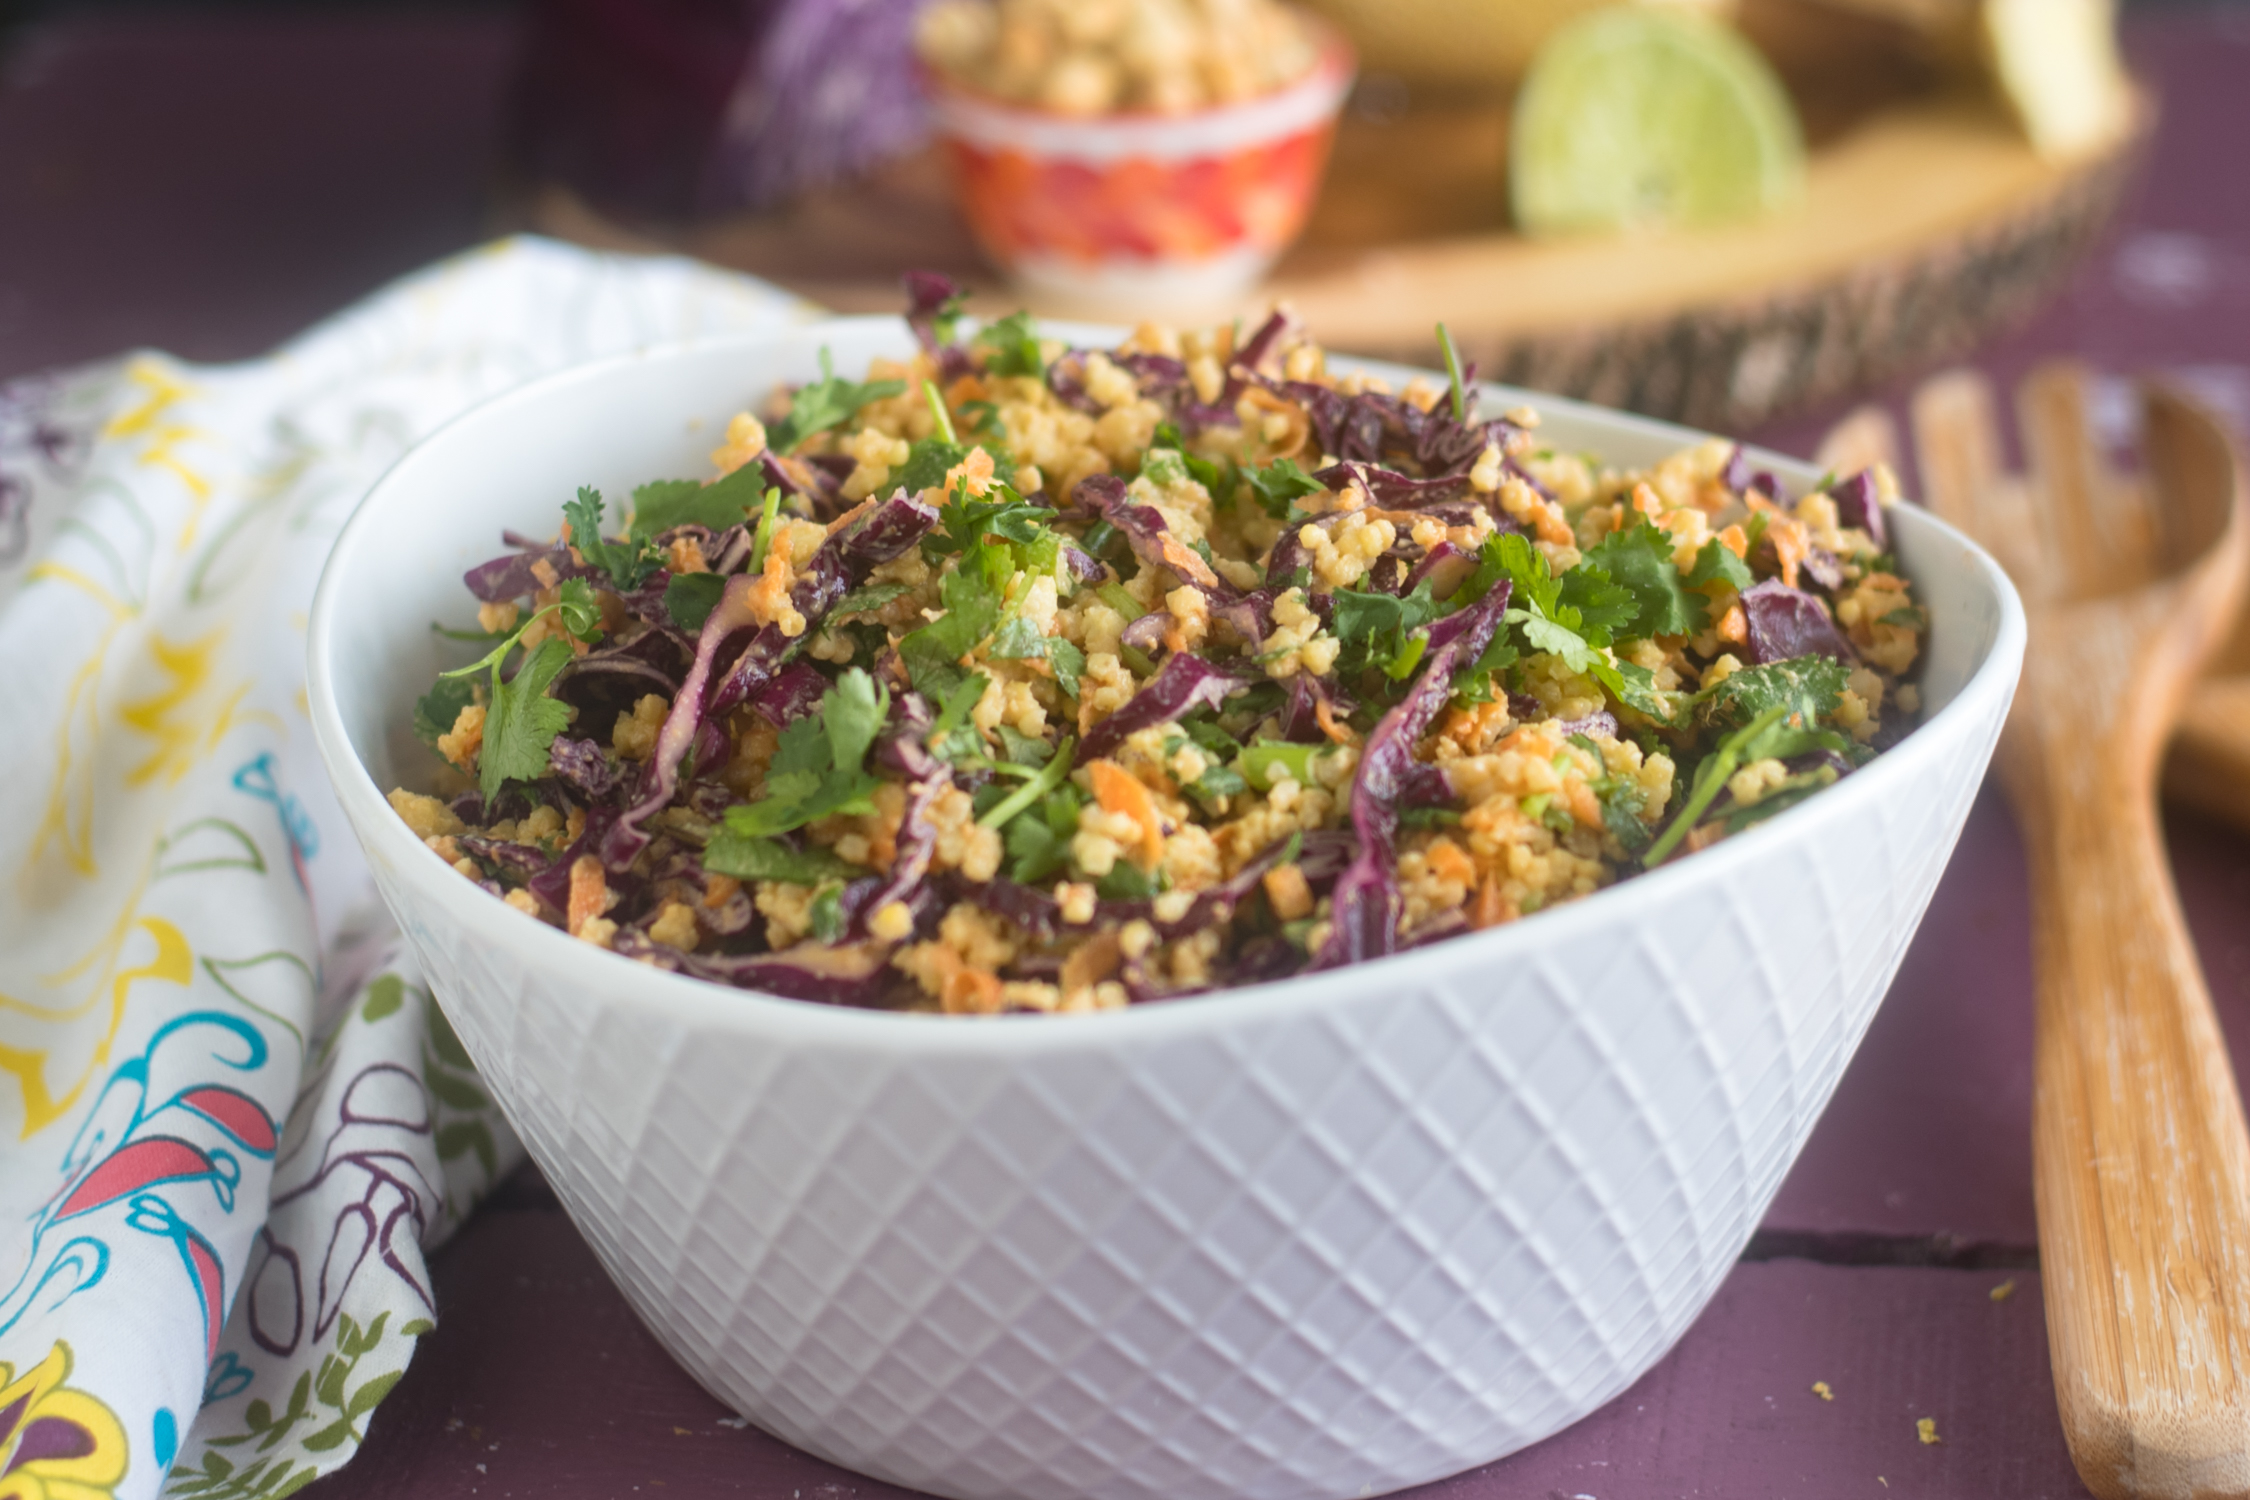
(2141, 1162)
(2209, 767)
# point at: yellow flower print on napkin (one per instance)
(56, 1443)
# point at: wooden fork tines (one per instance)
(2140, 1156)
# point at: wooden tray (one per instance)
(1927, 225)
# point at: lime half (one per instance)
(1637, 117)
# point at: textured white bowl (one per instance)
(1328, 1237)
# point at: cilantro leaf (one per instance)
(1511, 556)
(1473, 683)
(1069, 663)
(1203, 728)
(1715, 564)
(818, 768)
(1016, 639)
(1546, 635)
(1621, 815)
(436, 710)
(1015, 348)
(522, 721)
(666, 503)
(1024, 749)
(952, 737)
(967, 522)
(579, 610)
(1810, 686)
(1635, 687)
(1126, 882)
(1380, 629)
(1164, 466)
(928, 459)
(1641, 561)
(1218, 781)
(769, 859)
(1561, 628)
(827, 914)
(1040, 844)
(626, 563)
(869, 597)
(690, 597)
(1168, 461)
(933, 653)
(1602, 604)
(1278, 484)
(852, 712)
(824, 403)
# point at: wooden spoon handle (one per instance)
(2141, 1160)
(2209, 767)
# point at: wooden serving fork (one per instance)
(2209, 767)
(2141, 1161)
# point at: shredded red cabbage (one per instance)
(1859, 503)
(1785, 623)
(1183, 684)
(1365, 905)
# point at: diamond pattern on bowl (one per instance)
(1313, 1252)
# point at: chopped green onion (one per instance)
(1709, 778)
(1032, 791)
(764, 537)
(938, 411)
(1453, 372)
(1259, 762)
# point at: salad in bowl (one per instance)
(1017, 676)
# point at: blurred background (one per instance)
(1891, 182)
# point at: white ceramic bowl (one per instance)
(1328, 1237)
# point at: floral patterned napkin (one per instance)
(235, 1122)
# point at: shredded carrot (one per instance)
(1647, 501)
(1448, 862)
(851, 515)
(1092, 961)
(1532, 739)
(770, 594)
(1734, 625)
(971, 991)
(974, 474)
(1735, 540)
(1491, 907)
(1584, 805)
(1325, 717)
(1289, 892)
(589, 893)
(685, 555)
(1117, 790)
(718, 890)
(1186, 563)
(1547, 520)
(1790, 546)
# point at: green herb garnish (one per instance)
(825, 403)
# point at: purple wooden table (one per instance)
(305, 161)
